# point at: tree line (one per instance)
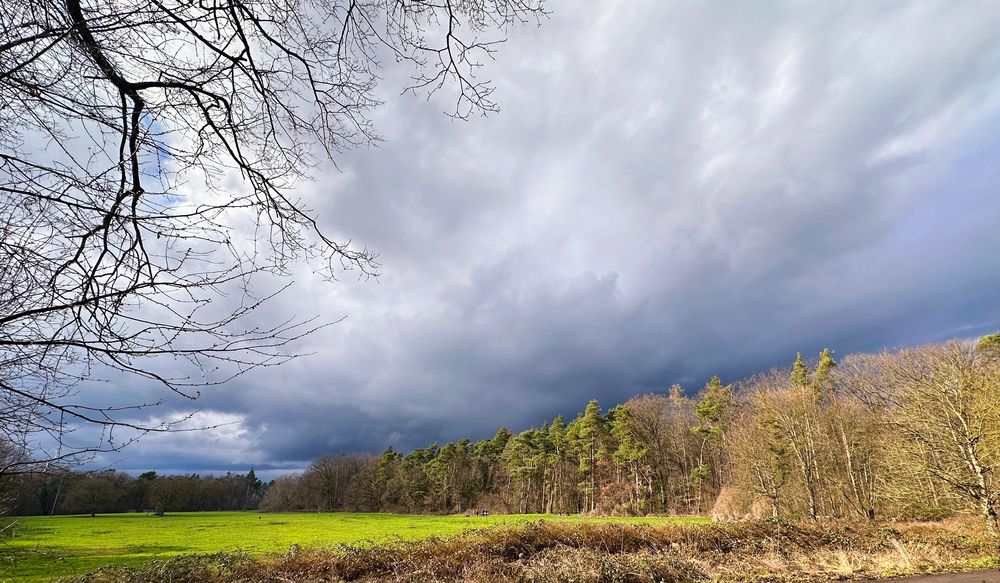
(912, 433)
(108, 491)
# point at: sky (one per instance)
(671, 190)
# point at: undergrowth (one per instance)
(608, 553)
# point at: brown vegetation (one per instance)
(549, 551)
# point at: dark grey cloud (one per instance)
(672, 190)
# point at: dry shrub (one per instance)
(733, 504)
(592, 566)
(605, 553)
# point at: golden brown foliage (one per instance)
(549, 551)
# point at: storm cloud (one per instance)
(671, 190)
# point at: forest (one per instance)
(912, 433)
(108, 491)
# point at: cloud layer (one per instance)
(672, 190)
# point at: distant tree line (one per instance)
(74, 492)
(913, 433)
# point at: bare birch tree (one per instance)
(948, 413)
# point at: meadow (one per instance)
(41, 548)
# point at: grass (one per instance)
(45, 548)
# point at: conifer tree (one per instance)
(385, 471)
(588, 428)
(824, 373)
(630, 451)
(715, 400)
(557, 437)
(826, 365)
(800, 372)
(989, 345)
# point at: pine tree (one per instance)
(800, 372)
(824, 373)
(500, 440)
(254, 487)
(588, 429)
(989, 345)
(630, 451)
(557, 437)
(715, 400)
(386, 497)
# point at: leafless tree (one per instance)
(948, 415)
(327, 480)
(150, 152)
(172, 493)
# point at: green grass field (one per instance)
(44, 548)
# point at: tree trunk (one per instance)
(992, 519)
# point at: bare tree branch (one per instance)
(121, 122)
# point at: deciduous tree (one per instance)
(948, 412)
(150, 156)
